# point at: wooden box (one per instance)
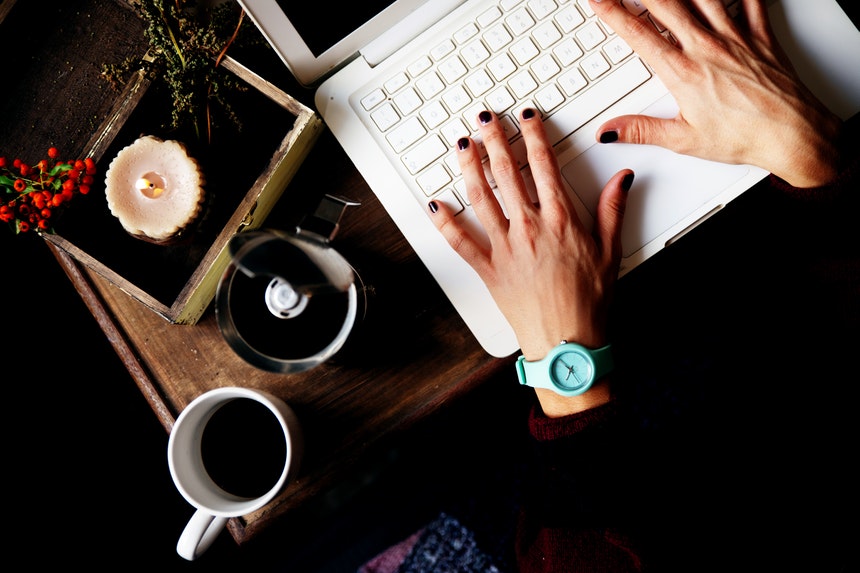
(247, 171)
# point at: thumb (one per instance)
(640, 129)
(610, 214)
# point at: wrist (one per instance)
(818, 158)
(556, 406)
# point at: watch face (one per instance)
(572, 370)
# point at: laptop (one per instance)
(399, 81)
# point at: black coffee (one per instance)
(244, 449)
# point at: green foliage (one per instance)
(187, 38)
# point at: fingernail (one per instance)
(610, 136)
(463, 143)
(627, 182)
(528, 113)
(485, 117)
(433, 206)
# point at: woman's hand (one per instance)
(740, 99)
(551, 278)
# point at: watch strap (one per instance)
(536, 373)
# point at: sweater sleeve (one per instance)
(571, 519)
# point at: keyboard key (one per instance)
(582, 109)
(424, 154)
(465, 33)
(452, 69)
(419, 66)
(500, 99)
(396, 82)
(542, 8)
(450, 200)
(549, 98)
(385, 117)
(522, 84)
(524, 51)
(479, 83)
(475, 53)
(635, 7)
(488, 17)
(442, 49)
(617, 49)
(590, 36)
(567, 52)
(433, 179)
(595, 65)
(545, 68)
(453, 131)
(546, 35)
(405, 134)
(501, 67)
(407, 101)
(434, 114)
(456, 98)
(568, 19)
(519, 22)
(429, 85)
(497, 38)
(373, 99)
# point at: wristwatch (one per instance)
(569, 369)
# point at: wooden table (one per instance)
(406, 360)
(410, 356)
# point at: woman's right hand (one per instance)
(740, 99)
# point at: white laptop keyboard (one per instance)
(551, 55)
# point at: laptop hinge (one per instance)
(415, 23)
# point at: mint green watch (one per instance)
(569, 369)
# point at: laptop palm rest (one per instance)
(669, 188)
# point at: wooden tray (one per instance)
(247, 168)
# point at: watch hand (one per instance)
(569, 370)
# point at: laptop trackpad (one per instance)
(668, 186)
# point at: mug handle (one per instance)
(202, 529)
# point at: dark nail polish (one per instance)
(609, 136)
(627, 182)
(528, 113)
(433, 206)
(485, 117)
(463, 143)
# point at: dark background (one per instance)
(85, 459)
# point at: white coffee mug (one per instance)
(230, 452)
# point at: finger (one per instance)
(480, 195)
(683, 24)
(641, 35)
(460, 239)
(543, 163)
(610, 215)
(760, 31)
(714, 14)
(503, 164)
(757, 20)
